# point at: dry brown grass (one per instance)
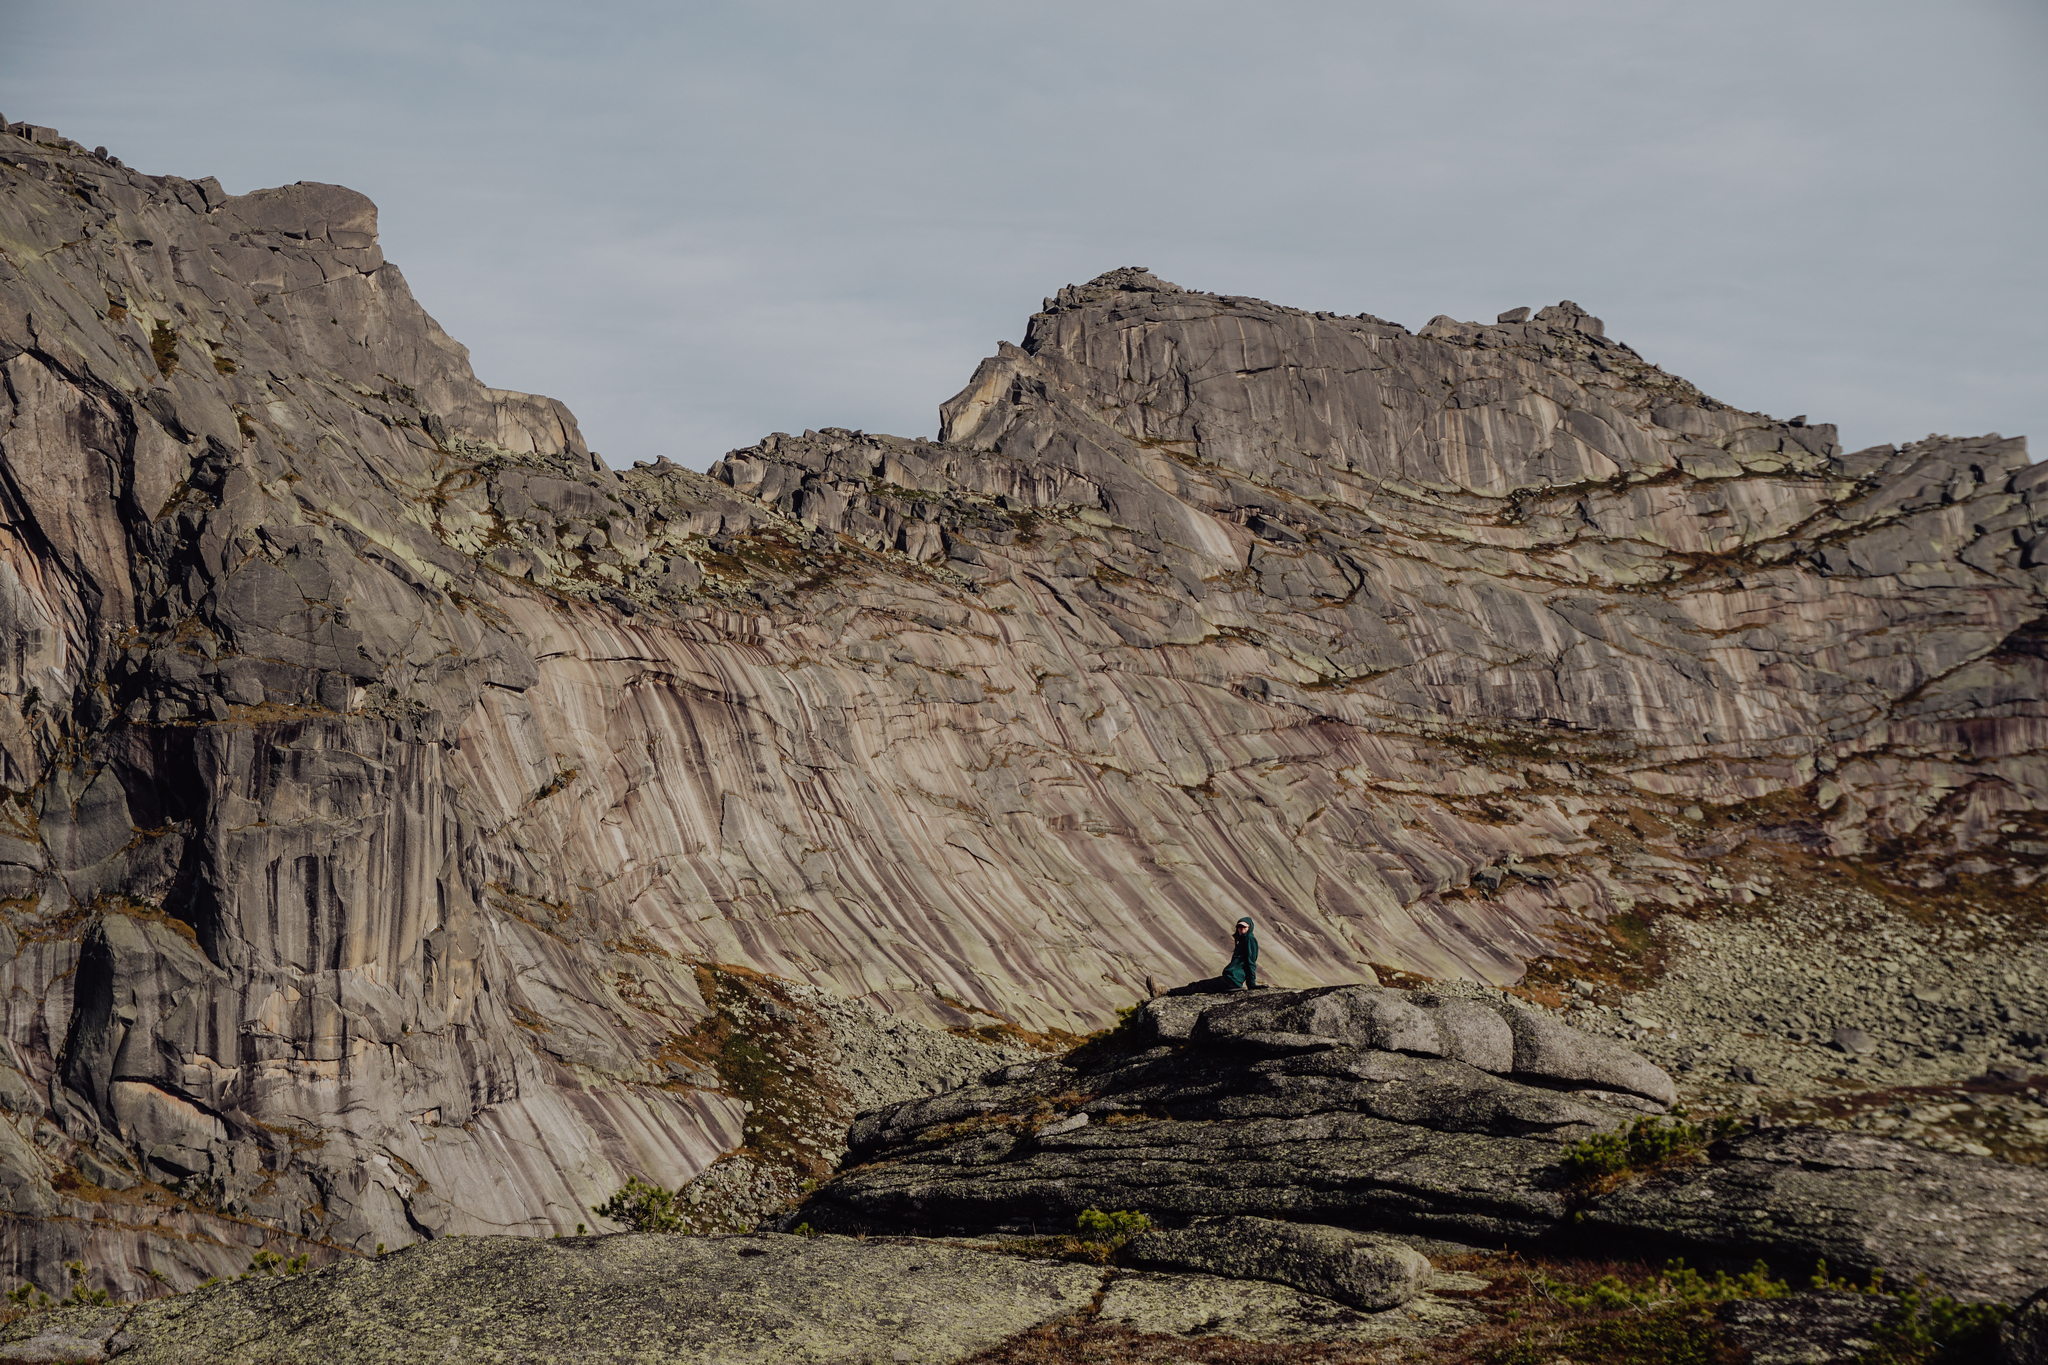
(1527, 1321)
(1088, 1344)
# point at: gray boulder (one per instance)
(1422, 1024)
(1372, 1273)
(1553, 1049)
(1977, 1228)
(1167, 1019)
(1249, 1119)
(1805, 1328)
(2023, 1337)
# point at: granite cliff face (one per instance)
(386, 772)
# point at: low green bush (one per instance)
(1933, 1329)
(1677, 1283)
(1119, 1227)
(1644, 1145)
(641, 1207)
(273, 1264)
(1096, 1239)
(163, 348)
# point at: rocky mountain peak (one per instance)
(1130, 279)
(307, 211)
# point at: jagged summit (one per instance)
(1130, 279)
(1562, 319)
(1494, 410)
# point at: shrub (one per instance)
(163, 348)
(642, 1207)
(79, 1293)
(1117, 1228)
(271, 1263)
(1678, 1283)
(1937, 1328)
(1923, 1329)
(1645, 1145)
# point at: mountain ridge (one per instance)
(387, 772)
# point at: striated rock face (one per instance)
(1319, 1127)
(386, 771)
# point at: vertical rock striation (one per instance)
(384, 767)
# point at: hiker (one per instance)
(1243, 971)
(1241, 975)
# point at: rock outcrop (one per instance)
(1320, 1125)
(765, 1298)
(384, 768)
(1356, 1269)
(2024, 1338)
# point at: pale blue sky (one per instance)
(697, 223)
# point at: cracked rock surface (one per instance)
(706, 1301)
(1354, 1269)
(385, 771)
(623, 1298)
(1310, 1126)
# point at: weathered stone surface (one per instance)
(1555, 1050)
(1360, 1271)
(1428, 1025)
(384, 768)
(2023, 1338)
(1206, 1307)
(1339, 1133)
(1806, 1329)
(589, 1299)
(1975, 1227)
(1327, 1130)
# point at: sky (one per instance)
(697, 223)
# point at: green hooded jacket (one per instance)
(1244, 958)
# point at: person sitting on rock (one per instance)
(1243, 971)
(1241, 975)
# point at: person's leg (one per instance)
(1214, 985)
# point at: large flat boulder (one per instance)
(1338, 1107)
(589, 1300)
(1974, 1226)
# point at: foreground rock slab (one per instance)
(1291, 1119)
(1975, 1227)
(589, 1300)
(1211, 1307)
(2024, 1338)
(1806, 1329)
(1353, 1268)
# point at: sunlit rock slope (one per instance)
(383, 769)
